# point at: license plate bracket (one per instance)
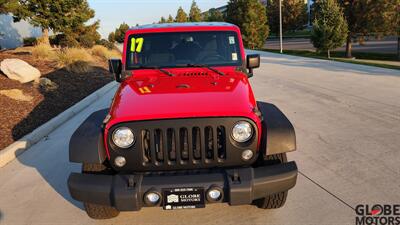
(183, 198)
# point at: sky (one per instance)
(112, 13)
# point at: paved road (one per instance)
(347, 119)
(382, 46)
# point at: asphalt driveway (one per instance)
(347, 120)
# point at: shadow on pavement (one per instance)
(50, 155)
(328, 65)
(53, 169)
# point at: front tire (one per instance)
(276, 200)
(96, 211)
(273, 201)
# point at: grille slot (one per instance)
(221, 143)
(146, 146)
(171, 146)
(158, 142)
(209, 143)
(186, 145)
(196, 142)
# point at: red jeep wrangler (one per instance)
(184, 128)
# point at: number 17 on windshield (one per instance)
(137, 44)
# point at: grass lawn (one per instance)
(293, 34)
(371, 59)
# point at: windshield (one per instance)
(174, 49)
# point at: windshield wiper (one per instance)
(156, 68)
(206, 66)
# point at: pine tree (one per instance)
(79, 35)
(87, 35)
(57, 15)
(120, 32)
(329, 27)
(162, 20)
(235, 12)
(250, 16)
(294, 15)
(170, 19)
(111, 37)
(8, 6)
(181, 16)
(365, 17)
(214, 15)
(195, 13)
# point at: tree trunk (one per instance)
(45, 37)
(348, 47)
(329, 54)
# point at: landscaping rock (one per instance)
(20, 70)
(16, 94)
(47, 85)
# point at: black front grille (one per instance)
(183, 144)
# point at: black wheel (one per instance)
(276, 200)
(96, 211)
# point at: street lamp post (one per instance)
(280, 26)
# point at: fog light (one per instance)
(152, 198)
(214, 194)
(247, 154)
(120, 161)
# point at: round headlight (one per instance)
(242, 131)
(123, 137)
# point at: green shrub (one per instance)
(55, 39)
(76, 60)
(79, 67)
(106, 44)
(30, 41)
(68, 41)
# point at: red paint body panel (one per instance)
(194, 92)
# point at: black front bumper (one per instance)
(239, 185)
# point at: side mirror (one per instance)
(115, 67)
(252, 62)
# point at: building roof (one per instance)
(169, 25)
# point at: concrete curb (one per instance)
(18, 147)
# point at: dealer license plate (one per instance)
(183, 198)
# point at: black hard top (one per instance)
(191, 24)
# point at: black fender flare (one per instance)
(278, 135)
(87, 144)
